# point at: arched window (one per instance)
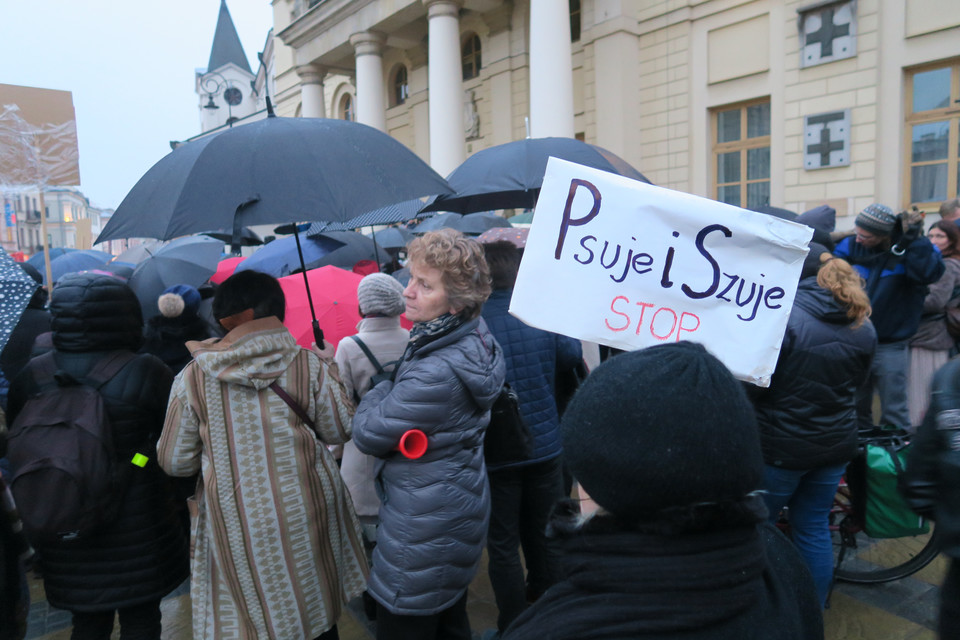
(471, 56)
(346, 107)
(401, 90)
(574, 20)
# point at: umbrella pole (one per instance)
(317, 331)
(376, 251)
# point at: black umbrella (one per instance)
(246, 237)
(275, 170)
(83, 260)
(272, 171)
(445, 220)
(356, 247)
(16, 289)
(473, 224)
(509, 176)
(191, 260)
(392, 237)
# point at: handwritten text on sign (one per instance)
(631, 265)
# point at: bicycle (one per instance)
(858, 557)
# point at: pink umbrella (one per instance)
(334, 300)
(225, 269)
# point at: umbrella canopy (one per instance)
(226, 268)
(280, 258)
(517, 237)
(392, 237)
(509, 176)
(473, 224)
(334, 292)
(36, 260)
(16, 289)
(272, 171)
(354, 248)
(439, 221)
(139, 253)
(74, 261)
(246, 237)
(190, 260)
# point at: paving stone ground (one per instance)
(901, 610)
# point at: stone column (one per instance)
(370, 98)
(311, 91)
(445, 79)
(551, 70)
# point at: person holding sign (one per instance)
(679, 547)
(434, 510)
(808, 415)
(897, 263)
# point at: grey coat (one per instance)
(434, 512)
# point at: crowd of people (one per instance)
(272, 476)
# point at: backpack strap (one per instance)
(297, 409)
(366, 350)
(108, 366)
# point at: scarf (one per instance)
(424, 333)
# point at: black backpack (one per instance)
(67, 480)
(384, 372)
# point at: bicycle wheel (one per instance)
(869, 560)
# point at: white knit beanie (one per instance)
(380, 294)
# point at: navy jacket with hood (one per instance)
(896, 285)
(533, 359)
(807, 416)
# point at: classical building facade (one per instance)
(793, 103)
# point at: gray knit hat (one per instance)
(380, 294)
(878, 219)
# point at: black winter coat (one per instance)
(166, 338)
(807, 416)
(143, 555)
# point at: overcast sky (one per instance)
(130, 67)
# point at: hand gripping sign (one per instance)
(631, 265)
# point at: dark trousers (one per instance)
(329, 634)
(450, 624)
(140, 622)
(949, 626)
(520, 502)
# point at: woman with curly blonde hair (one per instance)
(808, 415)
(434, 509)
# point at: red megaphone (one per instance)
(413, 444)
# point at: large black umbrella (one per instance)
(473, 224)
(16, 289)
(281, 257)
(191, 260)
(509, 176)
(245, 238)
(273, 171)
(392, 237)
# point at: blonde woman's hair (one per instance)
(460, 260)
(839, 278)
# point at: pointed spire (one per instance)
(226, 43)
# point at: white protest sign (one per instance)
(630, 265)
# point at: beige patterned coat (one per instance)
(277, 544)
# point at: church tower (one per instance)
(225, 87)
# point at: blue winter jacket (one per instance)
(896, 285)
(533, 359)
(434, 510)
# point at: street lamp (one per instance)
(213, 84)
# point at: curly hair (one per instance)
(466, 276)
(838, 277)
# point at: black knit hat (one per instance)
(667, 426)
(877, 218)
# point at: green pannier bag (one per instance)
(887, 514)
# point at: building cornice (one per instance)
(319, 19)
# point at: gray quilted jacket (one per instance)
(434, 512)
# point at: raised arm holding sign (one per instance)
(630, 265)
